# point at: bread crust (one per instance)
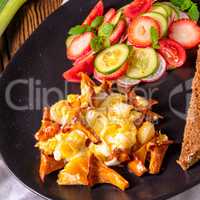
(190, 152)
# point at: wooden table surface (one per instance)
(24, 23)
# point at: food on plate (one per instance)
(173, 53)
(139, 33)
(135, 44)
(191, 146)
(84, 135)
(185, 32)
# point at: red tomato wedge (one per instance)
(173, 53)
(137, 7)
(109, 15)
(80, 46)
(115, 75)
(118, 32)
(139, 32)
(86, 66)
(186, 32)
(96, 11)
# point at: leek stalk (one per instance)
(8, 9)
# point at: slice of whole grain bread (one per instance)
(190, 152)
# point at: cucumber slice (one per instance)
(161, 10)
(111, 59)
(166, 7)
(175, 10)
(163, 22)
(142, 63)
(116, 18)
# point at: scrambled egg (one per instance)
(112, 121)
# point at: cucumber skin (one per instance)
(114, 69)
(152, 14)
(166, 7)
(157, 7)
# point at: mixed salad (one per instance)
(136, 43)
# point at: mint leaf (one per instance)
(154, 38)
(106, 42)
(177, 2)
(97, 44)
(76, 30)
(194, 12)
(189, 6)
(186, 5)
(97, 21)
(106, 30)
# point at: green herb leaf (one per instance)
(106, 30)
(194, 12)
(177, 2)
(154, 38)
(76, 30)
(88, 28)
(97, 44)
(186, 5)
(97, 21)
(106, 42)
(189, 6)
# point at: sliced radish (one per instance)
(125, 81)
(118, 32)
(80, 46)
(139, 32)
(186, 32)
(159, 73)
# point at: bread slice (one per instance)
(190, 152)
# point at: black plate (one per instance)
(42, 61)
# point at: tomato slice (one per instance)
(173, 53)
(118, 32)
(96, 11)
(109, 15)
(137, 7)
(86, 66)
(115, 75)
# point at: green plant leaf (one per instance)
(106, 30)
(97, 21)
